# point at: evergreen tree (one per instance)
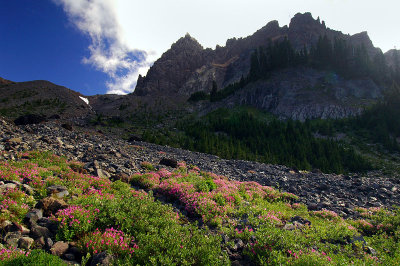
(214, 90)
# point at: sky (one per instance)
(101, 46)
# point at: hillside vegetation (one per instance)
(250, 134)
(214, 219)
(245, 134)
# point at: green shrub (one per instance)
(35, 258)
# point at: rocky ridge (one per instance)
(113, 158)
(187, 67)
(172, 73)
(184, 57)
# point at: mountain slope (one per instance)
(41, 97)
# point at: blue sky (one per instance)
(101, 46)
(37, 42)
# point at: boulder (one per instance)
(4, 224)
(69, 257)
(59, 248)
(25, 242)
(239, 244)
(51, 205)
(33, 215)
(29, 119)
(300, 220)
(28, 189)
(49, 224)
(8, 186)
(55, 116)
(40, 242)
(121, 176)
(15, 140)
(38, 231)
(75, 251)
(171, 162)
(12, 238)
(134, 138)
(49, 243)
(8, 226)
(102, 259)
(67, 126)
(289, 227)
(58, 191)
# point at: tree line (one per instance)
(241, 135)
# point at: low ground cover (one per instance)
(186, 216)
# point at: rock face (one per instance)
(187, 67)
(174, 67)
(391, 55)
(304, 93)
(305, 23)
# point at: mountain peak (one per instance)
(305, 20)
(167, 77)
(187, 42)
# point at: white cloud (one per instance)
(129, 34)
(108, 51)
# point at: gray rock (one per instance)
(289, 227)
(171, 162)
(40, 242)
(300, 220)
(5, 223)
(371, 251)
(39, 231)
(312, 207)
(69, 257)
(25, 242)
(76, 252)
(49, 243)
(358, 239)
(102, 259)
(12, 238)
(239, 244)
(58, 191)
(51, 205)
(59, 248)
(28, 189)
(8, 186)
(34, 215)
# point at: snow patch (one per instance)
(84, 99)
